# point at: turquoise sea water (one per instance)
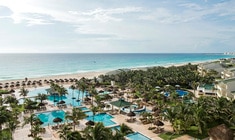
(19, 66)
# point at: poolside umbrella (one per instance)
(12, 91)
(158, 123)
(57, 120)
(41, 104)
(90, 123)
(61, 102)
(101, 91)
(131, 114)
(156, 114)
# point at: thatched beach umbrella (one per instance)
(158, 123)
(91, 123)
(61, 102)
(57, 120)
(221, 132)
(131, 114)
(12, 91)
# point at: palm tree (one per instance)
(125, 130)
(33, 121)
(73, 87)
(11, 100)
(98, 132)
(93, 93)
(94, 109)
(35, 130)
(81, 84)
(5, 116)
(64, 131)
(23, 92)
(41, 97)
(117, 135)
(194, 85)
(75, 116)
(75, 135)
(62, 91)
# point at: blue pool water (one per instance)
(48, 117)
(69, 100)
(84, 108)
(181, 92)
(36, 91)
(89, 113)
(116, 127)
(137, 136)
(102, 117)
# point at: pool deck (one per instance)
(137, 126)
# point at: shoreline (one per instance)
(93, 74)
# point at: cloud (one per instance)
(131, 26)
(5, 11)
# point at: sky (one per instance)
(117, 26)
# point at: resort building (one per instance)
(205, 68)
(206, 89)
(228, 73)
(226, 88)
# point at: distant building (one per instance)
(205, 68)
(226, 88)
(228, 73)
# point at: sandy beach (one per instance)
(88, 75)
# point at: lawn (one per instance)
(193, 132)
(169, 135)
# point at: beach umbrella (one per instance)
(12, 91)
(41, 104)
(131, 114)
(101, 91)
(90, 123)
(57, 120)
(0, 87)
(61, 102)
(6, 86)
(158, 123)
(0, 83)
(17, 85)
(11, 86)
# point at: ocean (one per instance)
(19, 66)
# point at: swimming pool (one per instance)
(102, 117)
(137, 136)
(181, 92)
(84, 108)
(48, 117)
(70, 98)
(116, 127)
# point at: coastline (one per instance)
(93, 74)
(88, 75)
